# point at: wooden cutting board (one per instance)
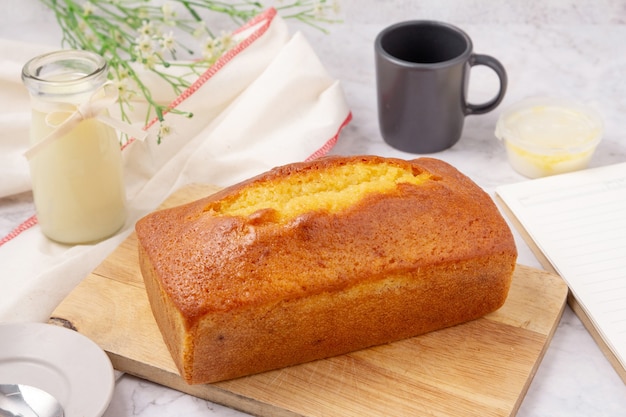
(481, 368)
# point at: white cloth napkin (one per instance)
(269, 102)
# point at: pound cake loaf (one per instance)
(320, 258)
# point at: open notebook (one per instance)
(576, 224)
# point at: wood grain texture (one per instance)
(481, 368)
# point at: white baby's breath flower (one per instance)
(168, 42)
(213, 48)
(118, 38)
(124, 89)
(150, 61)
(200, 31)
(169, 13)
(144, 45)
(226, 41)
(318, 9)
(147, 28)
(143, 13)
(88, 9)
(122, 73)
(164, 130)
(210, 49)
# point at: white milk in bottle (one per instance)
(77, 176)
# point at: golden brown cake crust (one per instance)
(235, 295)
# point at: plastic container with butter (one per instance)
(547, 136)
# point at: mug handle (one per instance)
(494, 64)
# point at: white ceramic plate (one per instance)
(60, 361)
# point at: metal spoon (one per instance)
(18, 400)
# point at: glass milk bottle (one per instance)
(76, 170)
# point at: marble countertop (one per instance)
(573, 49)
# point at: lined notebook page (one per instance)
(578, 221)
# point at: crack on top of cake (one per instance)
(331, 189)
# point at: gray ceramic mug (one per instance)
(422, 75)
